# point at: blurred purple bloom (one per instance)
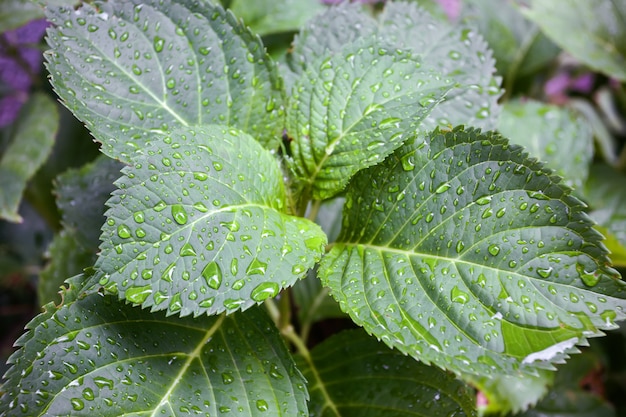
(20, 59)
(451, 7)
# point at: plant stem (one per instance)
(315, 208)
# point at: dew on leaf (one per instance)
(138, 295)
(179, 214)
(494, 249)
(544, 272)
(459, 296)
(589, 278)
(158, 44)
(256, 267)
(232, 304)
(262, 405)
(227, 378)
(213, 275)
(187, 250)
(160, 206)
(264, 290)
(77, 404)
(408, 163)
(175, 303)
(442, 188)
(123, 231)
(207, 303)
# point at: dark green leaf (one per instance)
(552, 134)
(352, 109)
(31, 144)
(81, 196)
(591, 30)
(67, 257)
(130, 67)
(274, 16)
(97, 356)
(352, 374)
(199, 225)
(605, 193)
(461, 251)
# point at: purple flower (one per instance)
(20, 61)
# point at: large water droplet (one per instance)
(213, 275)
(187, 250)
(138, 295)
(262, 405)
(494, 249)
(589, 278)
(123, 231)
(459, 296)
(256, 267)
(179, 214)
(265, 290)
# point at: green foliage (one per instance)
(366, 166)
(598, 41)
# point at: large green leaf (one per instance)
(591, 30)
(199, 225)
(352, 374)
(461, 251)
(350, 110)
(546, 131)
(126, 68)
(31, 143)
(97, 356)
(455, 52)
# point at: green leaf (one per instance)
(97, 355)
(546, 131)
(461, 251)
(352, 109)
(32, 142)
(512, 393)
(605, 193)
(16, 13)
(458, 53)
(599, 38)
(67, 257)
(519, 47)
(352, 374)
(198, 225)
(328, 33)
(130, 67)
(272, 16)
(82, 194)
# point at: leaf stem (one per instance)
(315, 208)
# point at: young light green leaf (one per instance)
(31, 144)
(99, 356)
(455, 52)
(352, 109)
(199, 225)
(129, 67)
(546, 131)
(461, 251)
(352, 374)
(599, 38)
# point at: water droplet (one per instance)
(442, 188)
(175, 303)
(77, 404)
(459, 246)
(483, 200)
(160, 206)
(265, 290)
(408, 163)
(494, 249)
(501, 212)
(589, 278)
(187, 250)
(217, 166)
(262, 405)
(158, 43)
(232, 304)
(459, 296)
(227, 378)
(544, 272)
(102, 382)
(123, 231)
(88, 394)
(139, 217)
(138, 295)
(179, 214)
(213, 275)
(256, 267)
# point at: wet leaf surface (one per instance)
(131, 67)
(462, 252)
(199, 225)
(98, 356)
